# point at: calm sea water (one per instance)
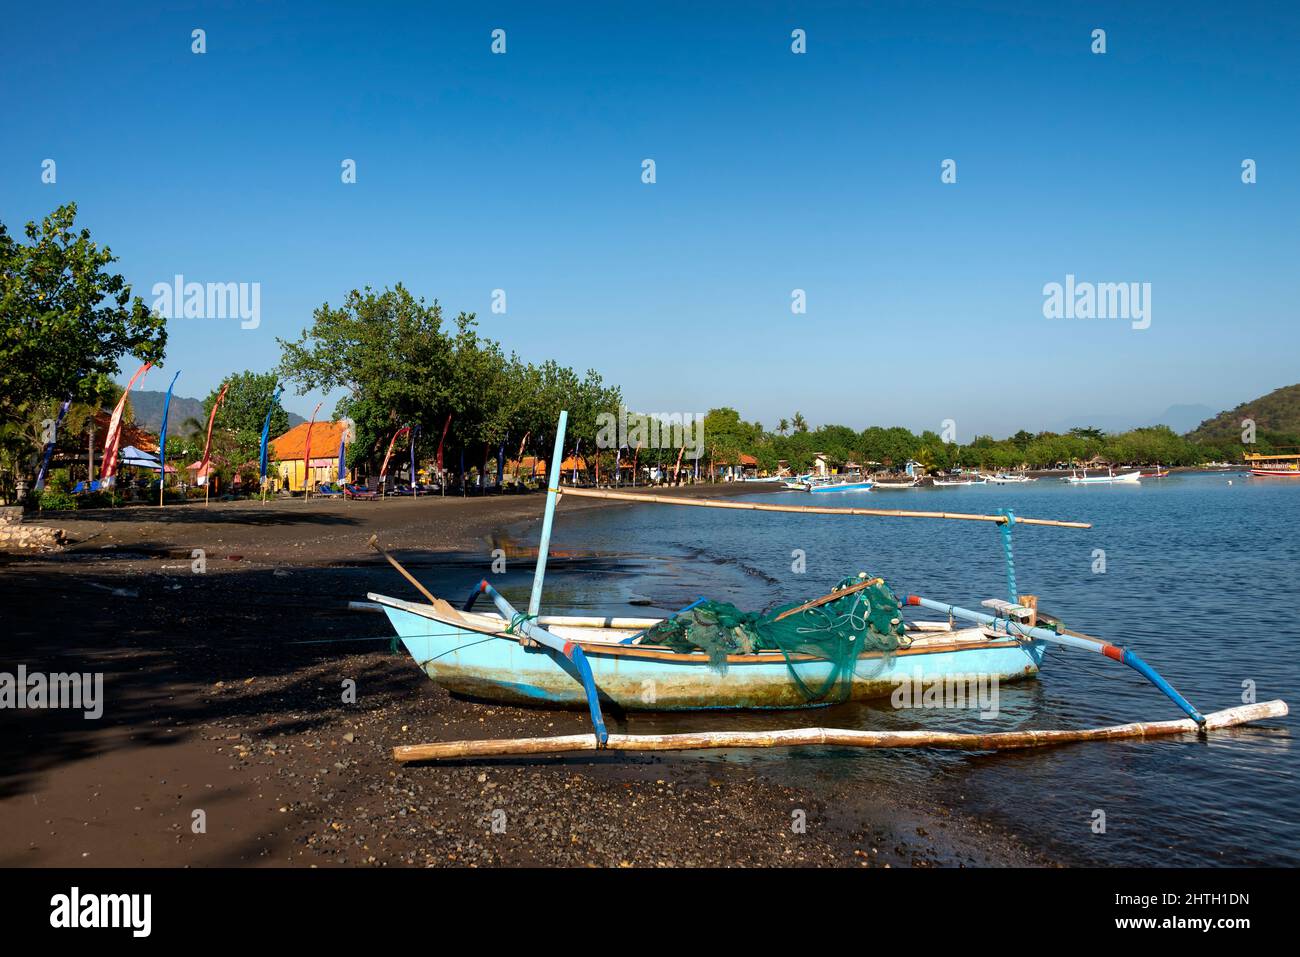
(1200, 579)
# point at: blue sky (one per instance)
(775, 171)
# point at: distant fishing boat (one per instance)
(897, 486)
(941, 483)
(1110, 478)
(849, 482)
(1003, 478)
(849, 644)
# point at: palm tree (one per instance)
(800, 423)
(782, 427)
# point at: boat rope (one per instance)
(1005, 529)
(517, 621)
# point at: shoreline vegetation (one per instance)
(436, 392)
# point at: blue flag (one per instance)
(266, 431)
(343, 462)
(49, 446)
(162, 433)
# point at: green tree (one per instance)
(242, 413)
(65, 320)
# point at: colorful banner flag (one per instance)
(49, 446)
(415, 437)
(343, 460)
(383, 469)
(207, 444)
(266, 433)
(113, 440)
(445, 426)
(519, 459)
(306, 450)
(162, 433)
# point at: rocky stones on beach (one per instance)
(16, 536)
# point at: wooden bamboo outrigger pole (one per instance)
(832, 737)
(810, 509)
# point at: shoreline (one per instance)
(224, 695)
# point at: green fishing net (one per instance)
(866, 619)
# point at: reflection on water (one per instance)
(1199, 577)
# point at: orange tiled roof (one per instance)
(325, 438)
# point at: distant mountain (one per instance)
(1184, 418)
(1180, 418)
(1277, 413)
(148, 408)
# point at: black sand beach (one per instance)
(224, 694)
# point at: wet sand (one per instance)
(225, 695)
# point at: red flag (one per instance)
(212, 417)
(114, 437)
(383, 469)
(306, 451)
(445, 426)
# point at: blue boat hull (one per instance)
(844, 487)
(484, 663)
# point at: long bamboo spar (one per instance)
(812, 509)
(994, 741)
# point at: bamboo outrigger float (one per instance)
(594, 662)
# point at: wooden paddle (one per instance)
(374, 543)
(829, 598)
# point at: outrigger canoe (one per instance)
(571, 661)
(478, 656)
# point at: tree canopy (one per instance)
(65, 319)
(400, 362)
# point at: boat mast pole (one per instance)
(552, 484)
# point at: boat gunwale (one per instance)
(662, 653)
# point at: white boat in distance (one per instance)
(1110, 478)
(939, 483)
(848, 482)
(1002, 478)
